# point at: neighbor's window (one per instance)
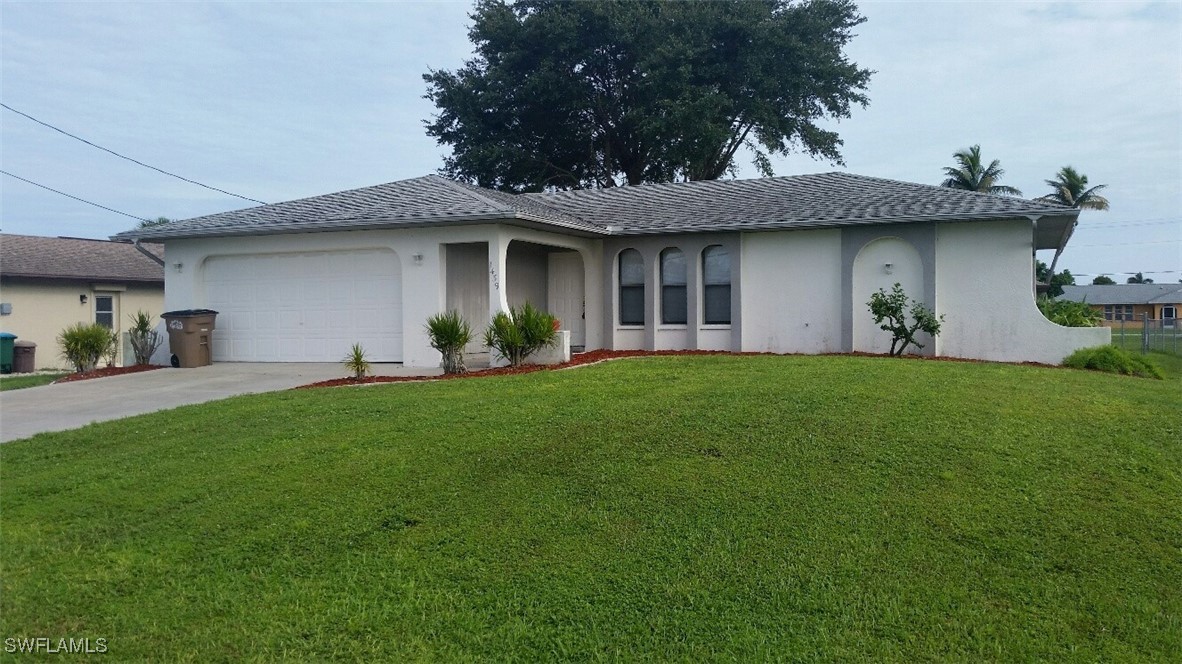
(104, 310)
(631, 287)
(716, 283)
(1118, 312)
(673, 300)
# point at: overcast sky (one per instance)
(282, 101)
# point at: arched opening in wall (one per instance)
(631, 285)
(674, 306)
(880, 265)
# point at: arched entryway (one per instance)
(881, 264)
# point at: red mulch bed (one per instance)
(591, 357)
(108, 371)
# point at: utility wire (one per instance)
(73, 197)
(135, 161)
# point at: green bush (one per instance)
(1068, 313)
(356, 362)
(520, 333)
(83, 344)
(1111, 359)
(449, 334)
(145, 340)
(893, 307)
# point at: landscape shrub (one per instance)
(449, 333)
(144, 338)
(1069, 313)
(1111, 359)
(356, 362)
(83, 344)
(521, 332)
(893, 308)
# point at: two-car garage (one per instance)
(305, 307)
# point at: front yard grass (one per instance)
(21, 381)
(676, 508)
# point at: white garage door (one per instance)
(306, 307)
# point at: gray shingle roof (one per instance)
(33, 256)
(802, 201)
(1124, 294)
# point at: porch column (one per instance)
(498, 259)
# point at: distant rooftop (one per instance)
(1124, 294)
(34, 256)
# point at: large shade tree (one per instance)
(971, 174)
(597, 94)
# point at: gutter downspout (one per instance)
(156, 259)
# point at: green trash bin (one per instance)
(7, 339)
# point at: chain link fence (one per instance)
(1147, 334)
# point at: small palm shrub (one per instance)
(1069, 313)
(449, 334)
(1111, 359)
(521, 332)
(112, 351)
(356, 362)
(144, 338)
(83, 344)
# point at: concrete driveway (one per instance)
(34, 410)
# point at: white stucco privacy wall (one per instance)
(984, 291)
(791, 291)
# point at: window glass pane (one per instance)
(104, 310)
(631, 268)
(716, 266)
(106, 319)
(673, 305)
(717, 309)
(672, 268)
(632, 305)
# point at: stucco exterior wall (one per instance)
(985, 291)
(791, 300)
(41, 309)
(422, 278)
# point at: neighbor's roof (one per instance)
(1124, 294)
(34, 256)
(801, 201)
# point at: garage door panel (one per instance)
(308, 307)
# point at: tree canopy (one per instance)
(971, 174)
(596, 94)
(151, 223)
(1139, 279)
(1070, 188)
(1056, 282)
(1103, 280)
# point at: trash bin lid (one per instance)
(24, 343)
(187, 313)
(7, 335)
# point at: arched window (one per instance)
(716, 283)
(631, 287)
(673, 300)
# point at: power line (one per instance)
(35, 184)
(135, 161)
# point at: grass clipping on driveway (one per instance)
(663, 508)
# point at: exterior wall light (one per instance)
(82, 298)
(178, 266)
(417, 258)
(889, 268)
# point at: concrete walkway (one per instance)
(34, 410)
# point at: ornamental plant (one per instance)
(891, 312)
(83, 344)
(520, 332)
(449, 334)
(356, 362)
(144, 338)
(1111, 359)
(1069, 313)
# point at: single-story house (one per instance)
(782, 265)
(50, 283)
(1128, 304)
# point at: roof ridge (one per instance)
(473, 191)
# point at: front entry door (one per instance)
(565, 294)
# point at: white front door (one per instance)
(305, 307)
(566, 290)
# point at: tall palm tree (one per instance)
(969, 174)
(1070, 188)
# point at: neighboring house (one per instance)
(782, 265)
(1128, 304)
(50, 283)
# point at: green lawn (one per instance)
(21, 381)
(677, 508)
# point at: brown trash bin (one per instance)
(190, 336)
(24, 356)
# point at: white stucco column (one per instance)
(498, 259)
